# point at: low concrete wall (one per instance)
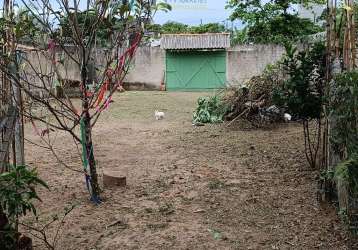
(148, 66)
(36, 71)
(147, 70)
(246, 61)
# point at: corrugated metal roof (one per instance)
(196, 41)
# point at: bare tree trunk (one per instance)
(90, 156)
(87, 78)
(19, 157)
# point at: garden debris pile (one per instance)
(253, 100)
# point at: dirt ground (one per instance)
(188, 187)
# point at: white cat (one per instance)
(159, 115)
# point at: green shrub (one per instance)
(17, 191)
(302, 94)
(347, 171)
(210, 110)
(17, 196)
(344, 108)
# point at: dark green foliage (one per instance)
(17, 196)
(85, 21)
(177, 28)
(17, 191)
(302, 93)
(253, 11)
(173, 28)
(121, 14)
(326, 175)
(210, 110)
(347, 171)
(153, 27)
(24, 25)
(344, 107)
(271, 21)
(281, 29)
(240, 36)
(207, 28)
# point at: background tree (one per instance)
(174, 27)
(27, 28)
(85, 20)
(208, 28)
(274, 21)
(177, 28)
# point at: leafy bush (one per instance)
(272, 21)
(344, 107)
(210, 110)
(347, 171)
(343, 110)
(17, 194)
(302, 93)
(282, 29)
(176, 27)
(17, 191)
(207, 28)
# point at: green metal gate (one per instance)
(195, 70)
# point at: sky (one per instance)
(191, 12)
(194, 12)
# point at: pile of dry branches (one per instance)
(253, 100)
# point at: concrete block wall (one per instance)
(146, 71)
(34, 69)
(148, 66)
(246, 61)
(243, 62)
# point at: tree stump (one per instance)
(114, 179)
